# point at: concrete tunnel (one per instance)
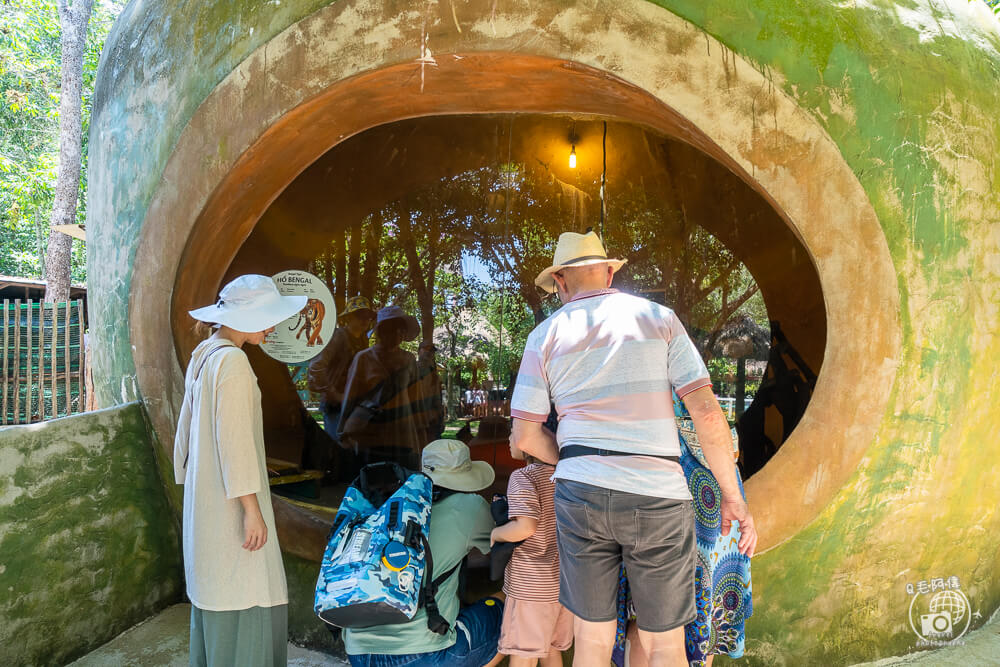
(272, 143)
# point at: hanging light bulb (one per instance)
(572, 157)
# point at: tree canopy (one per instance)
(29, 128)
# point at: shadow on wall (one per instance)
(88, 544)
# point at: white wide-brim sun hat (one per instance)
(448, 464)
(249, 304)
(576, 250)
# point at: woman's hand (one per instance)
(735, 509)
(254, 528)
(254, 531)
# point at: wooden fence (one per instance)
(43, 361)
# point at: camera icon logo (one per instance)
(939, 614)
(936, 624)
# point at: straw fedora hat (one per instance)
(576, 250)
(250, 303)
(448, 464)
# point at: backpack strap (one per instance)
(435, 621)
(196, 376)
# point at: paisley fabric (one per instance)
(723, 598)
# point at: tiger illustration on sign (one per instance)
(310, 322)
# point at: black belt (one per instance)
(570, 451)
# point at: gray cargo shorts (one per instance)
(599, 529)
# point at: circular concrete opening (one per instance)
(479, 194)
(779, 167)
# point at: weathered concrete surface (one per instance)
(162, 641)
(368, 171)
(303, 626)
(160, 61)
(198, 218)
(88, 545)
(907, 95)
(980, 647)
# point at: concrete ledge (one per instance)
(162, 641)
(88, 545)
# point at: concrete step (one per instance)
(162, 641)
(980, 647)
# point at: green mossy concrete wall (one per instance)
(161, 60)
(909, 92)
(88, 546)
(911, 97)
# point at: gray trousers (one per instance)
(255, 637)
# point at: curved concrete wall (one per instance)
(893, 456)
(88, 545)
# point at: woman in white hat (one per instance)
(232, 563)
(460, 522)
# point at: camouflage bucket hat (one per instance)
(356, 304)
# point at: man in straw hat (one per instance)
(460, 522)
(609, 361)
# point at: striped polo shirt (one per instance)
(533, 571)
(608, 361)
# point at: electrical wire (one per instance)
(604, 174)
(506, 235)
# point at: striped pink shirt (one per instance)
(533, 571)
(609, 362)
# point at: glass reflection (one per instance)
(445, 222)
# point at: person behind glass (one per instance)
(379, 419)
(460, 522)
(429, 393)
(328, 371)
(232, 563)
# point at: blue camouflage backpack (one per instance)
(377, 568)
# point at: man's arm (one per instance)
(533, 439)
(716, 442)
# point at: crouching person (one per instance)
(460, 522)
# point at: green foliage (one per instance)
(29, 128)
(992, 4)
(462, 253)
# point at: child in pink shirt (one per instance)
(535, 626)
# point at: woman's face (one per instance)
(258, 338)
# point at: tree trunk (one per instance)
(340, 270)
(530, 296)
(373, 244)
(741, 386)
(39, 245)
(73, 19)
(422, 286)
(354, 260)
